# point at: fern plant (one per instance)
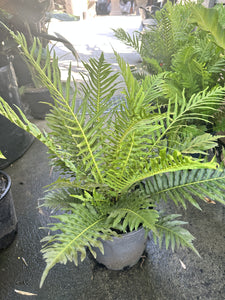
(158, 44)
(187, 44)
(117, 160)
(210, 21)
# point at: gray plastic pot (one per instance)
(8, 219)
(122, 252)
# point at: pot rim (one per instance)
(129, 233)
(8, 184)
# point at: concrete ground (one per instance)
(160, 274)
(92, 36)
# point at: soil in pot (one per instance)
(8, 219)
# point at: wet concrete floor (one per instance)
(160, 274)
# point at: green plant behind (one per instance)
(194, 58)
(157, 45)
(119, 158)
(188, 43)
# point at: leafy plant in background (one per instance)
(176, 45)
(117, 160)
(187, 46)
(219, 7)
(211, 22)
(200, 64)
(158, 44)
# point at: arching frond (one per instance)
(175, 235)
(100, 84)
(157, 166)
(187, 185)
(80, 228)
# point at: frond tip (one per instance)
(80, 228)
(176, 236)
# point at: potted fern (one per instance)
(117, 159)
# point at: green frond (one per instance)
(21, 121)
(75, 131)
(171, 32)
(187, 185)
(220, 8)
(218, 66)
(128, 213)
(2, 156)
(152, 65)
(188, 143)
(132, 41)
(153, 88)
(163, 163)
(60, 197)
(203, 63)
(199, 106)
(80, 228)
(191, 79)
(100, 84)
(181, 113)
(131, 135)
(134, 93)
(170, 230)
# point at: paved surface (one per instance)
(160, 275)
(91, 37)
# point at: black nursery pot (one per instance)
(33, 99)
(13, 140)
(8, 219)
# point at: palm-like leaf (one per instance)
(99, 86)
(188, 143)
(203, 64)
(158, 45)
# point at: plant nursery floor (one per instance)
(159, 275)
